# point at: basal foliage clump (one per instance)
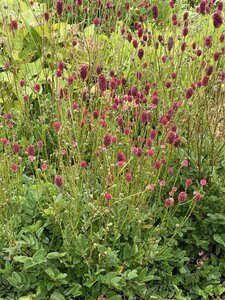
(112, 149)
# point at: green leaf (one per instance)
(21, 259)
(15, 280)
(89, 31)
(132, 274)
(34, 37)
(56, 295)
(75, 290)
(220, 239)
(29, 70)
(30, 14)
(55, 255)
(61, 29)
(54, 274)
(150, 277)
(82, 245)
(50, 272)
(25, 179)
(217, 218)
(127, 251)
(30, 262)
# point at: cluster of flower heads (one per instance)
(152, 11)
(183, 195)
(135, 122)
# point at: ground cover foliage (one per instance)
(112, 149)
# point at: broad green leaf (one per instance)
(28, 70)
(6, 76)
(127, 251)
(132, 274)
(220, 239)
(15, 279)
(89, 31)
(56, 295)
(61, 29)
(30, 262)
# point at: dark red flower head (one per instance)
(217, 19)
(169, 202)
(107, 139)
(185, 31)
(16, 148)
(140, 53)
(97, 21)
(14, 25)
(155, 11)
(30, 150)
(128, 177)
(59, 7)
(102, 82)
(37, 88)
(208, 41)
(220, 5)
(46, 16)
(56, 125)
(170, 43)
(202, 7)
(83, 164)
(120, 121)
(58, 181)
(182, 197)
(120, 156)
(185, 15)
(189, 93)
(83, 72)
